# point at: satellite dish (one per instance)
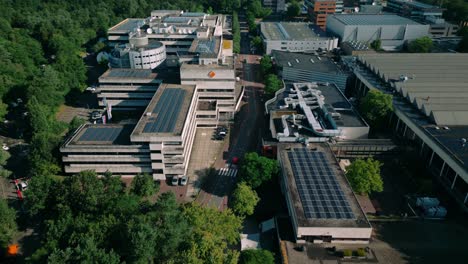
(149, 31)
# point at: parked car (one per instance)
(183, 180)
(91, 89)
(5, 147)
(175, 181)
(217, 137)
(96, 115)
(23, 186)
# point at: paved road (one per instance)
(244, 134)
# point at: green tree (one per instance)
(236, 36)
(213, 234)
(244, 200)
(3, 110)
(266, 64)
(364, 176)
(256, 256)
(7, 223)
(272, 84)
(420, 45)
(294, 9)
(257, 43)
(256, 170)
(375, 107)
(376, 45)
(143, 185)
(258, 10)
(75, 123)
(463, 44)
(38, 192)
(4, 156)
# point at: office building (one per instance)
(392, 30)
(276, 6)
(218, 93)
(320, 9)
(295, 37)
(127, 89)
(159, 143)
(313, 112)
(430, 109)
(146, 42)
(414, 9)
(321, 205)
(309, 67)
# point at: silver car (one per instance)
(183, 180)
(175, 180)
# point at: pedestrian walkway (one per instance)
(227, 172)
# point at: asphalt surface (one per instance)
(245, 132)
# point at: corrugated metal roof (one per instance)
(437, 83)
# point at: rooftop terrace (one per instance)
(290, 31)
(373, 19)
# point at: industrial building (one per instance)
(319, 10)
(159, 143)
(430, 109)
(295, 37)
(426, 14)
(309, 67)
(276, 6)
(313, 112)
(392, 30)
(127, 89)
(321, 205)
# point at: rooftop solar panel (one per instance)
(318, 187)
(129, 73)
(166, 111)
(101, 134)
(184, 20)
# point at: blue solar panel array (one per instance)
(167, 110)
(101, 134)
(318, 187)
(129, 73)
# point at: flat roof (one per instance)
(129, 73)
(304, 61)
(319, 192)
(332, 97)
(128, 24)
(291, 31)
(103, 134)
(417, 4)
(373, 19)
(167, 111)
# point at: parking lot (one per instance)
(205, 152)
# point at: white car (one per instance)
(175, 181)
(183, 180)
(91, 89)
(5, 147)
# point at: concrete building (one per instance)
(320, 9)
(430, 109)
(313, 112)
(414, 9)
(392, 30)
(305, 67)
(146, 42)
(217, 90)
(105, 148)
(277, 6)
(321, 205)
(159, 144)
(295, 37)
(127, 89)
(168, 127)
